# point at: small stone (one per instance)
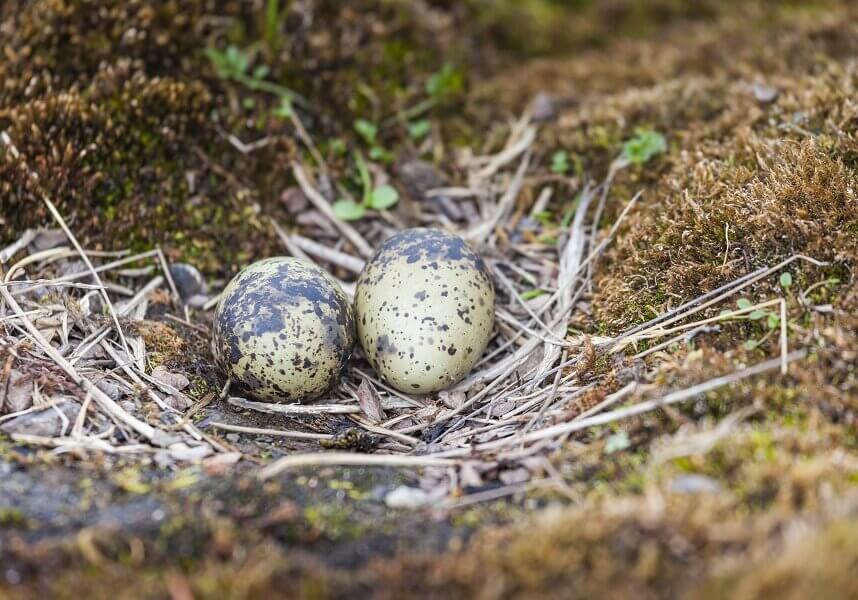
(764, 94)
(406, 497)
(694, 484)
(19, 392)
(47, 239)
(179, 402)
(514, 476)
(543, 108)
(113, 391)
(419, 177)
(167, 377)
(197, 300)
(294, 200)
(188, 279)
(46, 423)
(183, 452)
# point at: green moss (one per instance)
(11, 518)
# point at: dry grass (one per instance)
(745, 184)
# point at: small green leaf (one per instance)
(348, 210)
(751, 344)
(285, 110)
(773, 321)
(419, 129)
(367, 130)
(337, 146)
(544, 216)
(644, 146)
(365, 177)
(786, 280)
(445, 83)
(560, 162)
(260, 72)
(618, 441)
(724, 312)
(756, 315)
(382, 197)
(531, 294)
(380, 154)
(743, 303)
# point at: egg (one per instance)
(283, 330)
(424, 305)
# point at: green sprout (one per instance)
(367, 130)
(445, 83)
(618, 441)
(560, 162)
(233, 64)
(772, 321)
(419, 129)
(643, 147)
(378, 198)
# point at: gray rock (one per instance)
(189, 281)
(47, 422)
(113, 391)
(694, 484)
(419, 177)
(764, 94)
(544, 108)
(406, 497)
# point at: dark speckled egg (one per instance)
(283, 330)
(425, 309)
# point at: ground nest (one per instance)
(667, 405)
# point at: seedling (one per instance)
(440, 87)
(367, 130)
(643, 147)
(560, 162)
(419, 129)
(233, 64)
(618, 441)
(445, 83)
(772, 320)
(378, 198)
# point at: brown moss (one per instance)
(780, 175)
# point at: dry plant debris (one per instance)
(671, 224)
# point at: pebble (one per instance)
(47, 422)
(694, 484)
(189, 281)
(406, 497)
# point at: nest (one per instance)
(72, 339)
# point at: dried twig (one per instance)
(624, 413)
(300, 435)
(325, 208)
(294, 409)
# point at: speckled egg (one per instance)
(283, 330)
(425, 308)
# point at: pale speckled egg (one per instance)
(283, 330)
(424, 306)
